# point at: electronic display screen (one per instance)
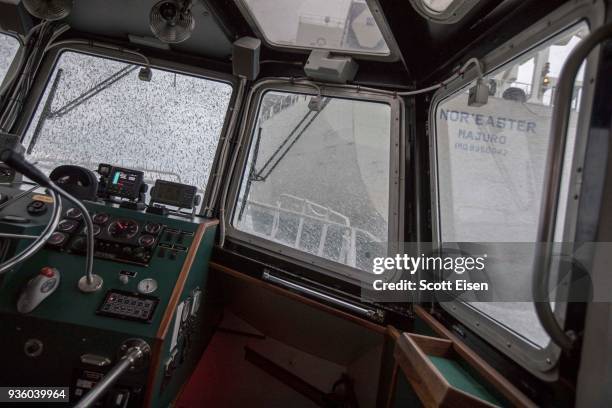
(124, 183)
(175, 194)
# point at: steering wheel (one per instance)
(89, 282)
(40, 240)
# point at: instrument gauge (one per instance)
(152, 228)
(147, 285)
(74, 213)
(96, 230)
(146, 240)
(57, 238)
(100, 218)
(125, 229)
(67, 225)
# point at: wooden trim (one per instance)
(412, 351)
(513, 394)
(180, 282)
(303, 299)
(393, 333)
(156, 349)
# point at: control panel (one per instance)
(128, 305)
(121, 239)
(140, 257)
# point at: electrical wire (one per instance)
(460, 72)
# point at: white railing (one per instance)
(292, 220)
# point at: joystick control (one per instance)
(38, 289)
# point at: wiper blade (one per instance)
(281, 151)
(73, 104)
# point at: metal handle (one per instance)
(553, 174)
(137, 354)
(369, 313)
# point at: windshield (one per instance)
(97, 110)
(9, 46)
(317, 177)
(491, 172)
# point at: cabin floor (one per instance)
(225, 378)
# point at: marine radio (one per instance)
(121, 182)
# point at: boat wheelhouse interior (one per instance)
(334, 203)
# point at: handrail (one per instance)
(553, 173)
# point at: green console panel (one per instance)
(63, 341)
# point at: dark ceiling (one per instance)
(429, 50)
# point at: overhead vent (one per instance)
(172, 21)
(48, 9)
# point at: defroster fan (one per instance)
(172, 20)
(48, 9)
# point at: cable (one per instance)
(460, 72)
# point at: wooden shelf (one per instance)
(439, 375)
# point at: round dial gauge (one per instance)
(96, 230)
(100, 218)
(67, 225)
(123, 229)
(152, 228)
(146, 240)
(147, 285)
(74, 213)
(57, 238)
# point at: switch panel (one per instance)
(127, 305)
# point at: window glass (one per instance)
(97, 110)
(437, 5)
(9, 46)
(317, 177)
(346, 25)
(491, 162)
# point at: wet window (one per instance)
(491, 162)
(9, 46)
(345, 25)
(317, 177)
(97, 110)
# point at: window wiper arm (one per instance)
(73, 104)
(45, 112)
(276, 156)
(91, 92)
(252, 176)
(279, 154)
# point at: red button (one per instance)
(47, 271)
